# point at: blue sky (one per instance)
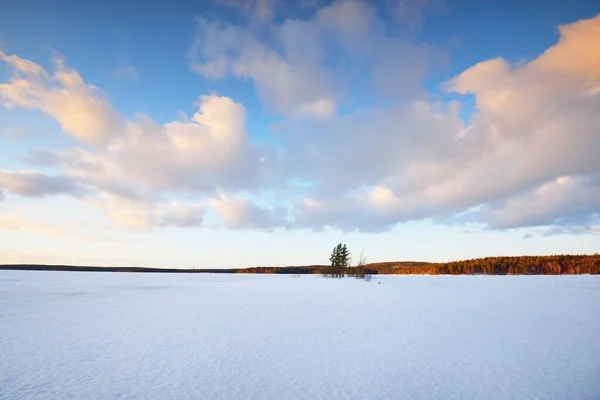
(233, 133)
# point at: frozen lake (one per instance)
(80, 335)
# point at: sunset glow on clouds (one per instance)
(352, 136)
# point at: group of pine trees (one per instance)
(341, 264)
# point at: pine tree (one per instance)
(344, 257)
(335, 255)
(340, 260)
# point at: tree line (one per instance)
(520, 265)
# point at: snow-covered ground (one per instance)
(81, 335)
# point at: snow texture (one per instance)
(81, 335)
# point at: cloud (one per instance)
(535, 123)
(38, 184)
(146, 162)
(305, 66)
(572, 230)
(239, 213)
(257, 10)
(263, 11)
(126, 72)
(81, 109)
(527, 157)
(410, 12)
(38, 157)
(346, 214)
(17, 223)
(13, 223)
(576, 55)
(15, 133)
(145, 216)
(564, 201)
(205, 153)
(319, 108)
(282, 85)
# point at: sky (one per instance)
(234, 133)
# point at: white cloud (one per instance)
(257, 10)
(410, 12)
(207, 152)
(305, 66)
(18, 223)
(25, 66)
(535, 123)
(38, 184)
(319, 108)
(143, 163)
(283, 85)
(528, 157)
(82, 110)
(564, 201)
(240, 213)
(126, 72)
(144, 216)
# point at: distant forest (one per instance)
(523, 265)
